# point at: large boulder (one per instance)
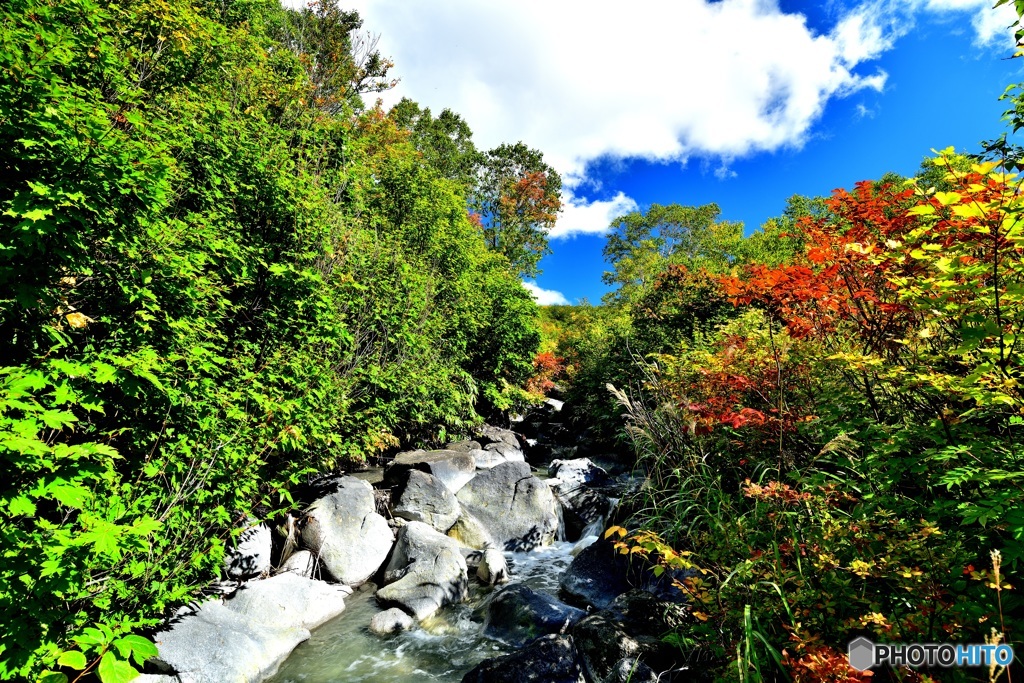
(496, 454)
(424, 498)
(599, 574)
(628, 637)
(214, 644)
(251, 555)
(465, 446)
(344, 531)
(518, 510)
(453, 468)
(470, 532)
(583, 510)
(426, 572)
(596, 576)
(289, 600)
(518, 614)
(549, 659)
(490, 435)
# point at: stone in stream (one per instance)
(463, 446)
(491, 435)
(424, 498)
(344, 531)
(390, 621)
(518, 614)
(426, 572)
(214, 644)
(582, 507)
(289, 600)
(492, 569)
(251, 555)
(599, 574)
(453, 468)
(578, 472)
(518, 510)
(549, 659)
(628, 637)
(302, 563)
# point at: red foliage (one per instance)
(547, 368)
(822, 664)
(848, 272)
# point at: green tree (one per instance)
(446, 142)
(517, 201)
(643, 243)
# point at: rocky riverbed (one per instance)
(457, 564)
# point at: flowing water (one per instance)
(443, 648)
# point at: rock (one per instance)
(426, 572)
(463, 446)
(596, 576)
(582, 545)
(343, 529)
(495, 454)
(578, 472)
(425, 499)
(302, 563)
(518, 614)
(549, 659)
(489, 435)
(251, 555)
(556, 405)
(628, 637)
(492, 569)
(390, 621)
(517, 509)
(582, 507)
(289, 600)
(215, 644)
(453, 468)
(470, 532)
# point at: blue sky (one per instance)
(738, 102)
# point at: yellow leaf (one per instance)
(947, 198)
(78, 320)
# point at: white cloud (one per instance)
(991, 26)
(546, 297)
(661, 81)
(580, 217)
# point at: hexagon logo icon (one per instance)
(862, 653)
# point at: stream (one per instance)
(443, 648)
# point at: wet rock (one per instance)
(453, 468)
(289, 600)
(344, 531)
(492, 568)
(598, 574)
(251, 555)
(518, 614)
(390, 621)
(628, 637)
(549, 659)
(213, 644)
(426, 572)
(582, 507)
(424, 498)
(517, 509)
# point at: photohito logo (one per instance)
(866, 655)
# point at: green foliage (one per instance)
(218, 274)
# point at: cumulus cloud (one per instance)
(580, 217)
(660, 81)
(664, 80)
(546, 297)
